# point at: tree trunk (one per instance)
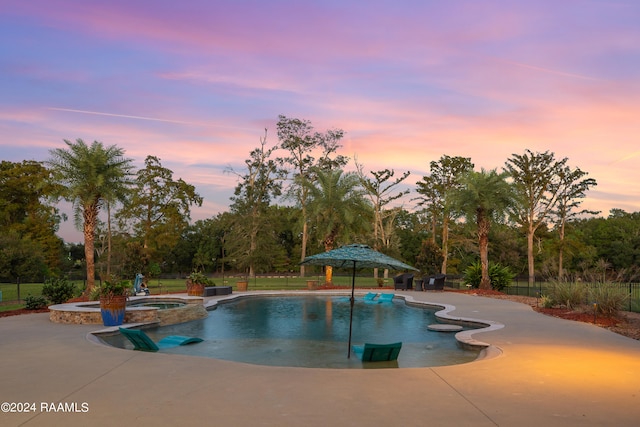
(329, 242)
(90, 214)
(483, 246)
(532, 271)
(328, 274)
(253, 245)
(303, 244)
(109, 240)
(561, 253)
(445, 244)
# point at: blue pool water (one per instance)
(313, 332)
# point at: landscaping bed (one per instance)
(624, 323)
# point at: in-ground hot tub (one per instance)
(164, 310)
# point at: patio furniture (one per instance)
(435, 283)
(216, 290)
(142, 342)
(403, 281)
(370, 296)
(386, 297)
(377, 352)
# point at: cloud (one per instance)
(196, 84)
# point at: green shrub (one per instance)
(546, 301)
(199, 278)
(569, 294)
(35, 302)
(499, 276)
(58, 290)
(609, 299)
(94, 295)
(472, 275)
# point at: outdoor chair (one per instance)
(377, 352)
(142, 342)
(403, 281)
(370, 296)
(435, 283)
(386, 297)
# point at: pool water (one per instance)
(313, 332)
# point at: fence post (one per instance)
(539, 287)
(18, 286)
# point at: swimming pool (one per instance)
(312, 331)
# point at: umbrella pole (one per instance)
(353, 288)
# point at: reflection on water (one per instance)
(313, 332)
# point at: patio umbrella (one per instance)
(355, 256)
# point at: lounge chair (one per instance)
(377, 352)
(142, 342)
(435, 283)
(386, 297)
(370, 296)
(403, 281)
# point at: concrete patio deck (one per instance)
(551, 372)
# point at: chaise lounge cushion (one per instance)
(142, 342)
(377, 352)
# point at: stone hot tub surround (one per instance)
(189, 308)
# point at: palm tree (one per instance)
(337, 208)
(483, 197)
(90, 176)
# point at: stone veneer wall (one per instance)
(94, 317)
(75, 317)
(193, 309)
(181, 314)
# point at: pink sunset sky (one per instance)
(195, 83)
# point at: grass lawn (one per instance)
(165, 286)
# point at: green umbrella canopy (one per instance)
(356, 256)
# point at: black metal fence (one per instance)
(522, 287)
(16, 292)
(632, 290)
